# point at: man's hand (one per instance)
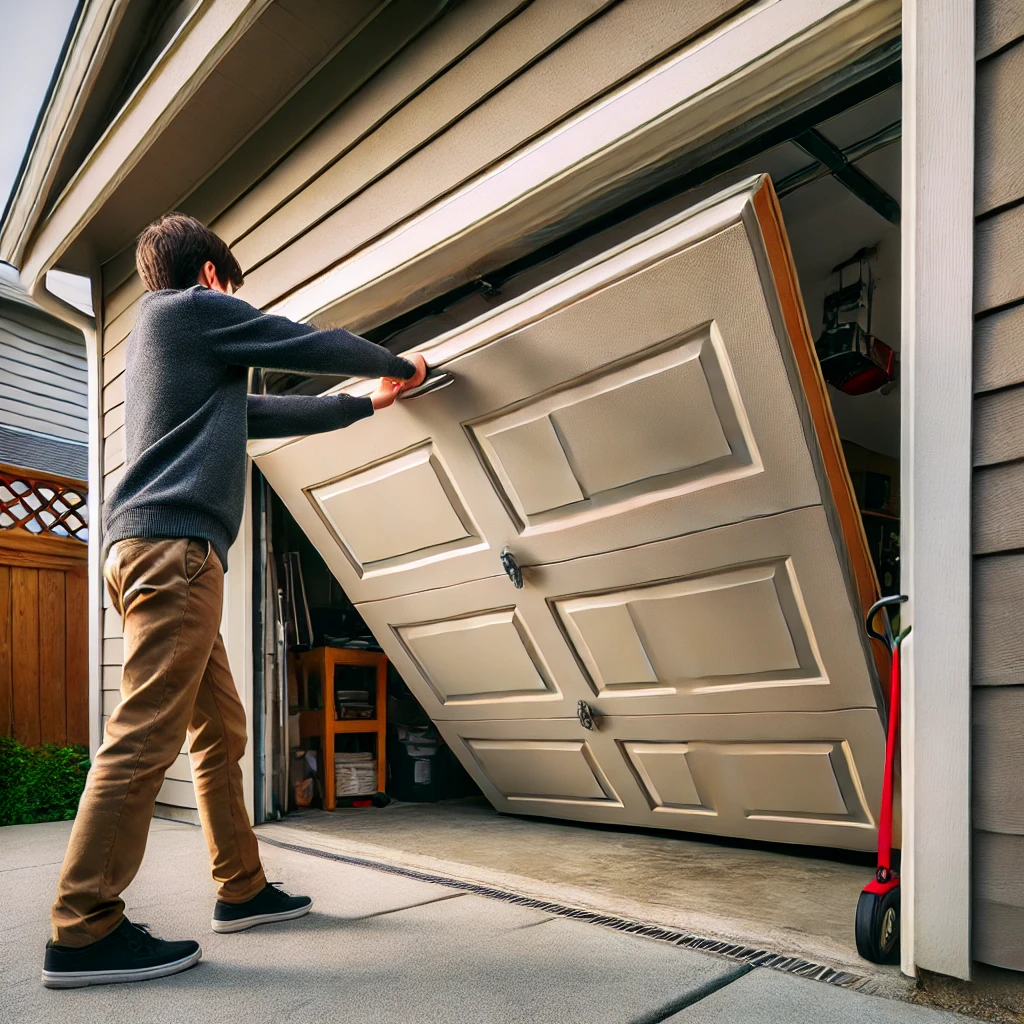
(389, 388)
(386, 392)
(417, 378)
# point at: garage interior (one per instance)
(836, 180)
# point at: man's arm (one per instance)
(240, 335)
(287, 415)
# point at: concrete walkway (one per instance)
(380, 947)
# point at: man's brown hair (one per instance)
(172, 250)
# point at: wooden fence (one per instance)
(44, 609)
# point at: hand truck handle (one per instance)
(887, 638)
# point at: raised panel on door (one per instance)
(479, 650)
(744, 618)
(652, 392)
(810, 778)
(756, 616)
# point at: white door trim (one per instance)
(236, 632)
(937, 282)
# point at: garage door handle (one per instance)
(435, 382)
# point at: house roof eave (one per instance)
(89, 36)
(208, 32)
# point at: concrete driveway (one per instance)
(381, 947)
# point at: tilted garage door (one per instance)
(649, 437)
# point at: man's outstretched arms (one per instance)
(285, 415)
(288, 415)
(240, 335)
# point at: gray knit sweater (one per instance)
(188, 411)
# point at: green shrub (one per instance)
(40, 783)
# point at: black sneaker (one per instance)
(128, 953)
(269, 905)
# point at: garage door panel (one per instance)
(552, 772)
(657, 402)
(650, 437)
(674, 634)
(479, 650)
(811, 778)
(367, 512)
(663, 425)
(788, 781)
(665, 777)
(471, 658)
(387, 508)
(750, 617)
(643, 395)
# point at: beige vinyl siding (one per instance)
(462, 123)
(998, 627)
(413, 107)
(1000, 23)
(381, 30)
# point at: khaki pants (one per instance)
(176, 679)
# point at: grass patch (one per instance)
(40, 783)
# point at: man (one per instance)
(168, 526)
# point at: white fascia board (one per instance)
(93, 34)
(200, 43)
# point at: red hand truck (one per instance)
(877, 926)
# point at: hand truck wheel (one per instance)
(877, 925)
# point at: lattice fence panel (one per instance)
(43, 506)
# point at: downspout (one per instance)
(91, 330)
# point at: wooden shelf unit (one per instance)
(322, 723)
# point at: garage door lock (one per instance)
(511, 567)
(585, 713)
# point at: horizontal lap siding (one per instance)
(264, 65)
(998, 599)
(479, 112)
(1000, 23)
(43, 377)
(413, 108)
(425, 88)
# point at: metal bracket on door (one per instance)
(434, 382)
(585, 713)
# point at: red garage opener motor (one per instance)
(852, 359)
